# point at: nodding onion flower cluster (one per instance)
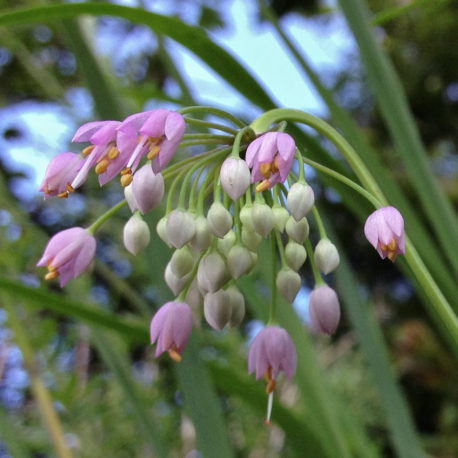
(255, 196)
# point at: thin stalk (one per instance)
(108, 214)
(207, 136)
(319, 223)
(203, 190)
(210, 125)
(273, 301)
(215, 111)
(316, 273)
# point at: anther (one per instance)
(153, 152)
(88, 150)
(113, 153)
(69, 187)
(126, 171)
(262, 186)
(392, 245)
(270, 386)
(102, 166)
(46, 189)
(63, 194)
(126, 180)
(174, 354)
(51, 275)
(265, 169)
(275, 167)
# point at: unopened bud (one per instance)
(246, 217)
(300, 200)
(238, 261)
(237, 303)
(327, 257)
(288, 284)
(219, 219)
(202, 236)
(235, 177)
(180, 227)
(193, 297)
(161, 229)
(175, 283)
(281, 215)
(217, 309)
(147, 189)
(182, 262)
(250, 238)
(212, 272)
(136, 234)
(128, 194)
(263, 219)
(295, 255)
(297, 230)
(324, 309)
(226, 243)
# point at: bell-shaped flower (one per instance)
(136, 234)
(67, 254)
(146, 190)
(324, 309)
(154, 133)
(102, 153)
(384, 229)
(235, 177)
(60, 173)
(170, 327)
(270, 157)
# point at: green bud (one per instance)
(250, 239)
(226, 243)
(288, 284)
(237, 303)
(182, 262)
(327, 257)
(297, 230)
(263, 219)
(217, 309)
(295, 255)
(281, 215)
(238, 261)
(203, 236)
(136, 235)
(219, 219)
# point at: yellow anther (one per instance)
(275, 167)
(270, 386)
(153, 152)
(392, 245)
(265, 169)
(391, 255)
(102, 166)
(174, 354)
(267, 422)
(46, 189)
(126, 180)
(63, 194)
(126, 171)
(69, 188)
(88, 150)
(51, 275)
(262, 186)
(113, 153)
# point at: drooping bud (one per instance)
(217, 309)
(136, 234)
(281, 215)
(235, 177)
(181, 262)
(147, 189)
(295, 255)
(326, 256)
(288, 284)
(263, 218)
(193, 296)
(237, 303)
(246, 217)
(161, 229)
(238, 261)
(226, 243)
(324, 309)
(203, 236)
(180, 227)
(300, 200)
(219, 219)
(129, 196)
(297, 230)
(212, 272)
(250, 238)
(176, 284)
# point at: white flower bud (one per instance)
(175, 283)
(246, 217)
(182, 262)
(263, 219)
(288, 284)
(128, 194)
(136, 234)
(161, 229)
(250, 238)
(238, 261)
(212, 272)
(295, 255)
(237, 303)
(203, 236)
(193, 297)
(180, 227)
(281, 215)
(226, 243)
(217, 309)
(235, 177)
(300, 200)
(147, 189)
(297, 230)
(327, 257)
(219, 219)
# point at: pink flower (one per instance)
(270, 156)
(102, 153)
(384, 229)
(171, 326)
(324, 309)
(59, 175)
(156, 133)
(67, 254)
(147, 189)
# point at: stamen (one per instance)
(153, 152)
(270, 386)
(269, 408)
(101, 167)
(88, 150)
(51, 275)
(63, 194)
(392, 245)
(69, 187)
(265, 169)
(126, 179)
(173, 353)
(275, 167)
(126, 171)
(113, 153)
(391, 255)
(262, 186)
(46, 189)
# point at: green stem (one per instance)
(226, 138)
(39, 390)
(316, 273)
(281, 249)
(215, 111)
(208, 141)
(273, 301)
(300, 160)
(192, 203)
(169, 205)
(319, 223)
(108, 214)
(210, 125)
(238, 139)
(184, 291)
(202, 191)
